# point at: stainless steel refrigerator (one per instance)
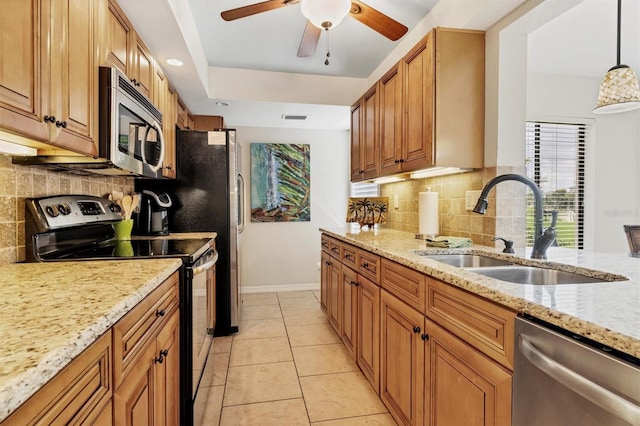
(208, 195)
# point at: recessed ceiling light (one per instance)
(175, 62)
(222, 104)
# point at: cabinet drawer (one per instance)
(349, 254)
(141, 324)
(77, 395)
(484, 325)
(335, 249)
(369, 265)
(405, 283)
(325, 242)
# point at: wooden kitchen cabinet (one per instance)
(334, 293)
(79, 394)
(147, 360)
(49, 92)
(325, 276)
(391, 119)
(142, 67)
(402, 360)
(117, 37)
(368, 337)
(169, 131)
(464, 387)
(365, 144)
(207, 122)
(349, 289)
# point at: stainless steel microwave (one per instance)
(130, 139)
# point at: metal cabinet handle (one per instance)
(595, 393)
(49, 119)
(62, 124)
(160, 312)
(416, 329)
(161, 356)
(348, 256)
(365, 265)
(424, 337)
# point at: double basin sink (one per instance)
(506, 270)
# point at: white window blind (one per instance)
(365, 189)
(555, 160)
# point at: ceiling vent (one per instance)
(293, 117)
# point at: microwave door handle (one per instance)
(157, 167)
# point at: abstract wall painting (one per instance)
(280, 182)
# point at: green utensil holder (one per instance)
(123, 229)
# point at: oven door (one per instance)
(202, 297)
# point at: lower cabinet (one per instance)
(325, 274)
(149, 394)
(79, 394)
(402, 357)
(334, 306)
(349, 289)
(368, 337)
(464, 387)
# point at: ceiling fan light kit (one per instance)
(325, 13)
(619, 90)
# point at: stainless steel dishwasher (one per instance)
(558, 380)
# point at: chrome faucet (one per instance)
(543, 239)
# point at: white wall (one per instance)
(285, 256)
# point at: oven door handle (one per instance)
(595, 393)
(207, 265)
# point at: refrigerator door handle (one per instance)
(241, 212)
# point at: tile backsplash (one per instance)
(20, 182)
(504, 217)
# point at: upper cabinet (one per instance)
(117, 38)
(142, 64)
(49, 92)
(365, 145)
(431, 107)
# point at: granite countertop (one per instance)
(50, 312)
(608, 312)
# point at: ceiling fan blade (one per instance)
(377, 21)
(252, 9)
(309, 40)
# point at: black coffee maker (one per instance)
(153, 218)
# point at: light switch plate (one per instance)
(471, 199)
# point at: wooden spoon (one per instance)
(127, 200)
(134, 203)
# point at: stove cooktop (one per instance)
(187, 249)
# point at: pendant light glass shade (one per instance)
(619, 91)
(325, 13)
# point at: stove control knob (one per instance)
(52, 210)
(64, 209)
(115, 208)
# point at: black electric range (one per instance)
(67, 228)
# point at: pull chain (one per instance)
(326, 61)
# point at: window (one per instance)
(555, 161)
(365, 189)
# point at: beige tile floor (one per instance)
(286, 366)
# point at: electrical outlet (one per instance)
(471, 199)
(395, 201)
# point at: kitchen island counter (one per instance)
(50, 312)
(607, 312)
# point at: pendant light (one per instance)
(619, 90)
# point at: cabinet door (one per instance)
(22, 94)
(116, 39)
(142, 75)
(167, 382)
(357, 170)
(466, 388)
(370, 142)
(325, 277)
(391, 121)
(349, 288)
(368, 343)
(74, 76)
(134, 401)
(418, 97)
(169, 131)
(402, 361)
(335, 297)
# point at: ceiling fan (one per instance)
(369, 16)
